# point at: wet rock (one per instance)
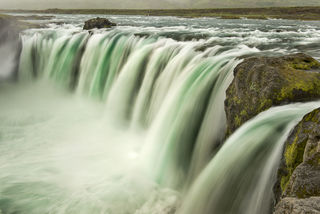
(304, 182)
(299, 171)
(298, 206)
(98, 23)
(261, 82)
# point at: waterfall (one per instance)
(146, 83)
(239, 178)
(117, 123)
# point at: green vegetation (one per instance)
(272, 81)
(296, 13)
(293, 156)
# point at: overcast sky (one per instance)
(146, 4)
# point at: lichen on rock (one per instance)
(299, 206)
(261, 82)
(299, 172)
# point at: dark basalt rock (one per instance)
(262, 82)
(98, 23)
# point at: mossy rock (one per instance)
(98, 23)
(299, 171)
(261, 82)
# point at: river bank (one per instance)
(293, 13)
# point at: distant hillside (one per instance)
(252, 3)
(151, 4)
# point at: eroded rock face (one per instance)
(304, 182)
(299, 171)
(298, 184)
(297, 189)
(262, 82)
(98, 23)
(299, 206)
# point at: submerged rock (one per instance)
(262, 82)
(98, 23)
(299, 206)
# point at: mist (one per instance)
(149, 4)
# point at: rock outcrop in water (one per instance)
(299, 172)
(98, 23)
(262, 82)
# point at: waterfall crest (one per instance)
(147, 83)
(125, 124)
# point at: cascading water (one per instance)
(239, 178)
(117, 123)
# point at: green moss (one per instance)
(237, 121)
(300, 83)
(265, 103)
(293, 157)
(243, 113)
(312, 116)
(284, 182)
(253, 87)
(304, 65)
(236, 99)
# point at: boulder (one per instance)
(299, 171)
(298, 206)
(261, 82)
(98, 23)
